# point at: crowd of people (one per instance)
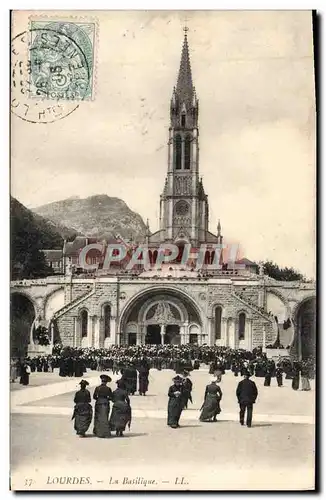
(74, 362)
(179, 394)
(104, 422)
(133, 364)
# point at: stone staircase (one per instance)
(254, 307)
(73, 303)
(271, 325)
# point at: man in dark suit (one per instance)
(246, 394)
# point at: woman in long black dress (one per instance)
(296, 376)
(129, 377)
(102, 396)
(24, 373)
(176, 401)
(83, 411)
(143, 372)
(211, 406)
(121, 410)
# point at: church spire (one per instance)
(185, 87)
(184, 102)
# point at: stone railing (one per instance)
(39, 281)
(73, 303)
(255, 307)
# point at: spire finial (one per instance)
(219, 228)
(185, 28)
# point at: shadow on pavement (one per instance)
(135, 434)
(184, 426)
(147, 396)
(131, 434)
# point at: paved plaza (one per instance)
(276, 453)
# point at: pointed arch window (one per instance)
(84, 323)
(187, 152)
(107, 318)
(183, 120)
(218, 321)
(178, 152)
(242, 326)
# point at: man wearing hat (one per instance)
(83, 411)
(246, 394)
(187, 386)
(176, 400)
(102, 396)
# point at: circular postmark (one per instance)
(50, 75)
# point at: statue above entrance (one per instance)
(163, 314)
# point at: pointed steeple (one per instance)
(185, 87)
(148, 232)
(219, 228)
(219, 235)
(184, 102)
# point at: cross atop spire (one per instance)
(185, 28)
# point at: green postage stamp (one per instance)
(61, 60)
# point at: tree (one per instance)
(27, 240)
(281, 273)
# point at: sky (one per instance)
(254, 77)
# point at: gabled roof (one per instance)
(246, 262)
(53, 255)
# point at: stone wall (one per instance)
(205, 294)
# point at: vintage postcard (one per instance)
(163, 294)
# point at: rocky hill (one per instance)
(31, 233)
(99, 216)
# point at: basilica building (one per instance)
(236, 306)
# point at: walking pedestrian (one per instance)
(247, 393)
(211, 406)
(83, 411)
(175, 404)
(102, 396)
(121, 410)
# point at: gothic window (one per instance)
(242, 326)
(107, 317)
(178, 152)
(187, 152)
(218, 319)
(183, 120)
(182, 208)
(84, 323)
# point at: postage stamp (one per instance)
(62, 59)
(52, 68)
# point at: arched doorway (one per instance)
(22, 316)
(162, 315)
(306, 329)
(153, 335)
(172, 335)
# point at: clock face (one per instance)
(182, 208)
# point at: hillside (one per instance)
(99, 216)
(29, 234)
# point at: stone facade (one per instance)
(196, 299)
(174, 304)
